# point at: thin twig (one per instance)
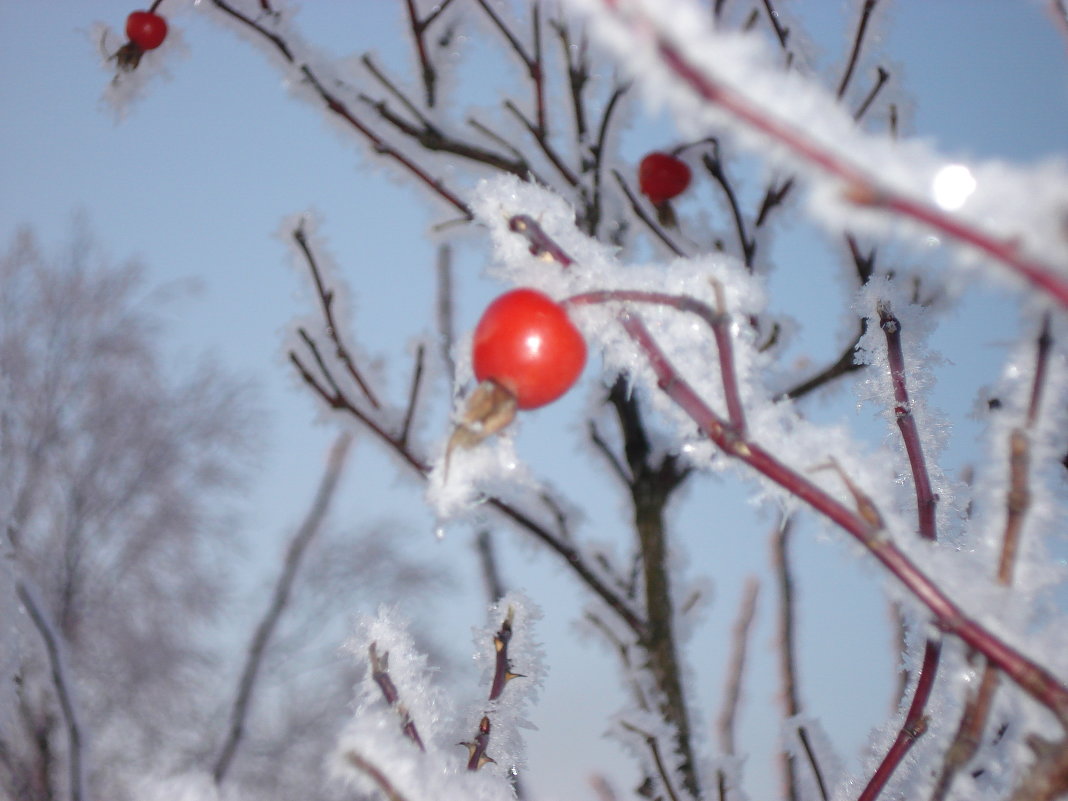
(785, 646)
(377, 776)
(658, 760)
(487, 559)
(881, 77)
(714, 164)
(413, 394)
(845, 364)
(858, 40)
(257, 649)
(636, 206)
(326, 299)
(543, 143)
(736, 666)
(430, 136)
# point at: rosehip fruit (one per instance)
(146, 29)
(526, 343)
(662, 177)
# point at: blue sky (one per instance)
(197, 179)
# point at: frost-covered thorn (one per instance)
(476, 749)
(380, 675)
(502, 673)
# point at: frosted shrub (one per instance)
(689, 341)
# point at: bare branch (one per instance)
(487, 559)
(326, 299)
(636, 206)
(257, 649)
(57, 661)
(858, 40)
(736, 666)
(413, 395)
(658, 759)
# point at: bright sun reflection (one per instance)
(533, 344)
(952, 185)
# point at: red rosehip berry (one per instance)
(526, 343)
(662, 177)
(146, 29)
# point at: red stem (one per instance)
(914, 726)
(926, 500)
(718, 321)
(1033, 679)
(916, 719)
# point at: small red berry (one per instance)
(146, 29)
(662, 177)
(526, 342)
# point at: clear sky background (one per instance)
(196, 180)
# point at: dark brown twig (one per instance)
(881, 77)
(430, 136)
(714, 164)
(419, 26)
(858, 40)
(413, 394)
(487, 559)
(641, 214)
(326, 299)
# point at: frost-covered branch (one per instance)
(1034, 679)
(915, 723)
(651, 34)
(732, 693)
(977, 708)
